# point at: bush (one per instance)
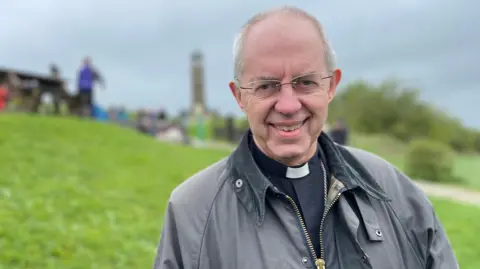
(430, 160)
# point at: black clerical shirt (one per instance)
(307, 191)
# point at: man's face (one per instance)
(285, 123)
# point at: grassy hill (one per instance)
(77, 194)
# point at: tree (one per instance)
(398, 111)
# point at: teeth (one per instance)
(289, 128)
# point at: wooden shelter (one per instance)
(28, 88)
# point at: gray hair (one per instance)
(238, 42)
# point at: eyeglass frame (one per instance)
(278, 86)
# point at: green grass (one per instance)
(382, 145)
(462, 224)
(466, 167)
(77, 194)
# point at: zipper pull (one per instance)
(320, 263)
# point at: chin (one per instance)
(295, 149)
(288, 151)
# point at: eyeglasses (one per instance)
(304, 84)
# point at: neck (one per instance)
(296, 161)
(292, 161)
(282, 167)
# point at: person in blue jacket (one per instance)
(87, 76)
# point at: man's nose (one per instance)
(287, 100)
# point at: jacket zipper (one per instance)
(305, 232)
(322, 250)
(319, 262)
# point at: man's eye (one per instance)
(264, 86)
(305, 82)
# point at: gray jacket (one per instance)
(230, 216)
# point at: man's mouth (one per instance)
(290, 127)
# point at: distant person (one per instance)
(123, 115)
(288, 196)
(143, 122)
(3, 96)
(162, 115)
(339, 133)
(87, 77)
(57, 93)
(162, 122)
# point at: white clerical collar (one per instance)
(298, 172)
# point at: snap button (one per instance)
(378, 233)
(304, 260)
(239, 183)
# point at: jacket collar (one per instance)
(341, 165)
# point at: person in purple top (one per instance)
(87, 76)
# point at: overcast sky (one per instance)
(143, 47)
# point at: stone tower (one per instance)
(197, 83)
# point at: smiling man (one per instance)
(288, 196)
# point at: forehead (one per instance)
(283, 44)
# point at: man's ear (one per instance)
(336, 77)
(236, 94)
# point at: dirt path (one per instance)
(455, 193)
